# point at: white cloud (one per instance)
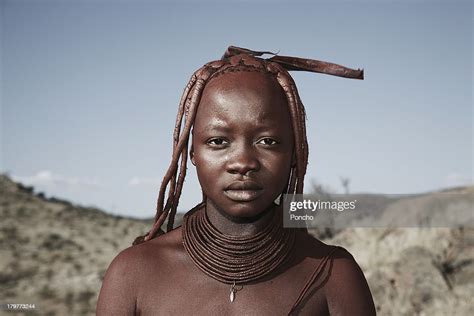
(50, 179)
(135, 181)
(455, 179)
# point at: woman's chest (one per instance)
(191, 292)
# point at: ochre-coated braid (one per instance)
(236, 259)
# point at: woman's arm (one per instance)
(118, 293)
(347, 291)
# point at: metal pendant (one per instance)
(232, 292)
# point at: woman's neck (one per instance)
(239, 226)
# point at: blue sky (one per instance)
(89, 91)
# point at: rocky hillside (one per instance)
(54, 254)
(418, 271)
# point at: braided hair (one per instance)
(236, 59)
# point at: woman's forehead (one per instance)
(236, 99)
(244, 88)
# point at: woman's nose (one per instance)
(243, 160)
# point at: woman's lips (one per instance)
(243, 195)
(243, 191)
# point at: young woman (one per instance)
(232, 255)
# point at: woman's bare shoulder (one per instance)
(138, 257)
(129, 271)
(346, 289)
(311, 246)
(159, 248)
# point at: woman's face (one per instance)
(242, 143)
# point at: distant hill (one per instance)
(413, 270)
(54, 254)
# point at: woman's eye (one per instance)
(267, 141)
(217, 142)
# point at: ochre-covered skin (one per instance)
(243, 131)
(158, 278)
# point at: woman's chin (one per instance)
(245, 212)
